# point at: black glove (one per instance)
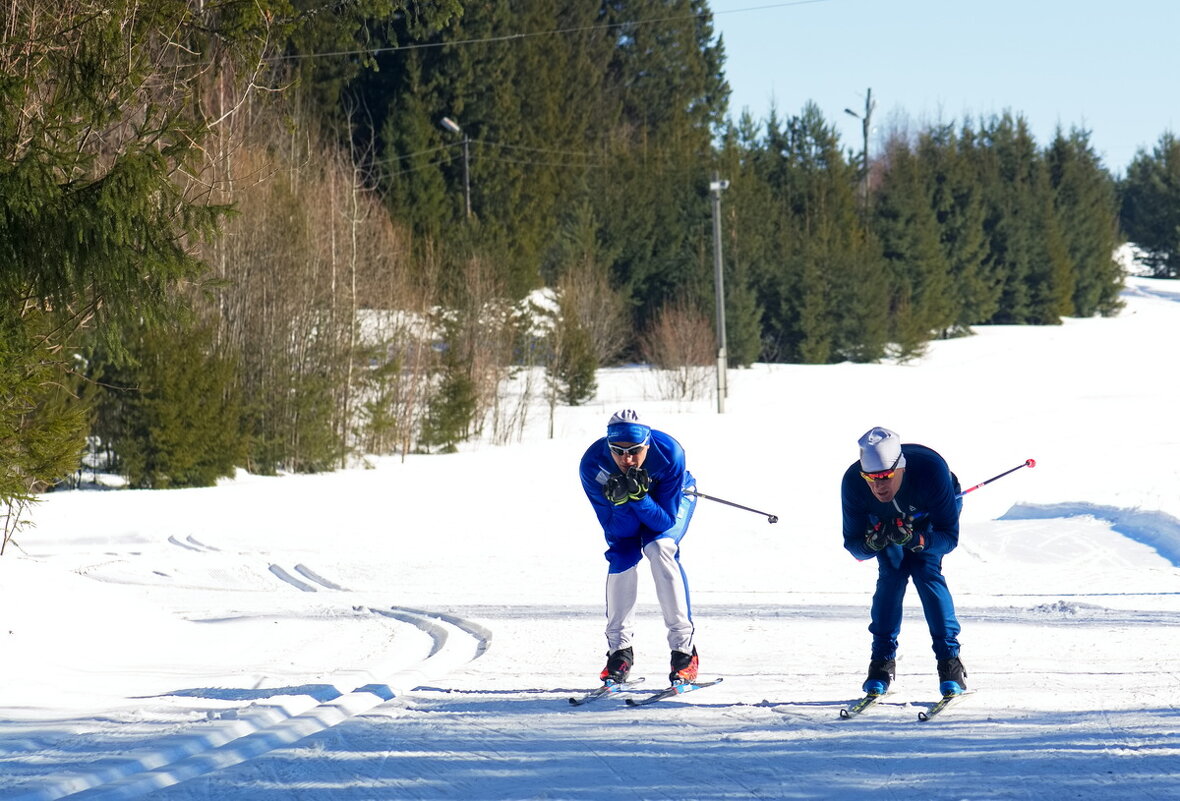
(633, 486)
(900, 530)
(616, 489)
(877, 536)
(638, 482)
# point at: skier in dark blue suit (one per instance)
(635, 478)
(901, 506)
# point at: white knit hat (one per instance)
(880, 449)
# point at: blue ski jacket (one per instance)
(656, 513)
(928, 490)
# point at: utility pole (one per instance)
(453, 127)
(717, 186)
(467, 174)
(865, 122)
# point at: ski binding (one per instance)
(942, 704)
(857, 707)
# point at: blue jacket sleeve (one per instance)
(940, 524)
(856, 519)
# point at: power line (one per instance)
(486, 143)
(584, 165)
(418, 153)
(416, 169)
(534, 149)
(514, 36)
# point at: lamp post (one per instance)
(717, 186)
(452, 126)
(870, 104)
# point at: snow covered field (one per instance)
(413, 631)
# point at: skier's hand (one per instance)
(901, 530)
(617, 489)
(638, 483)
(877, 536)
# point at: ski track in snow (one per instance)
(440, 729)
(462, 742)
(239, 736)
(236, 736)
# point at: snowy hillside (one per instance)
(414, 630)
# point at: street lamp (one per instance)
(870, 104)
(717, 186)
(448, 124)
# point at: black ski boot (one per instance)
(881, 672)
(684, 667)
(618, 666)
(952, 676)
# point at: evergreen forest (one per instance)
(282, 235)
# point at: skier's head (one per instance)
(882, 464)
(627, 438)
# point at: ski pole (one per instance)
(1025, 463)
(769, 517)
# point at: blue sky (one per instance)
(1112, 68)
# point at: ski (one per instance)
(609, 688)
(942, 704)
(857, 707)
(674, 690)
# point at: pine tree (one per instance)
(1084, 194)
(826, 291)
(1009, 166)
(452, 406)
(906, 223)
(172, 414)
(573, 370)
(955, 194)
(99, 117)
(43, 414)
(664, 95)
(1150, 212)
(43, 422)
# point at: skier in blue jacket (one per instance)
(635, 478)
(901, 507)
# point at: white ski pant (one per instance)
(622, 591)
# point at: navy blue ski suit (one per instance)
(928, 493)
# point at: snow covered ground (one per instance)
(412, 631)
